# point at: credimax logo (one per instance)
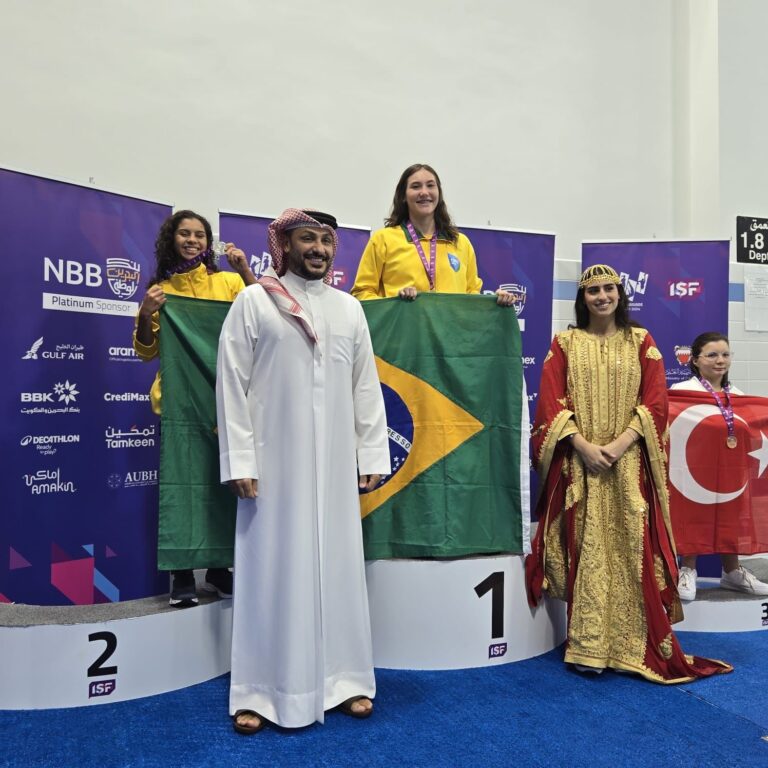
(126, 397)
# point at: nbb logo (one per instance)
(684, 289)
(122, 275)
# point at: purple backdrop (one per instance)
(250, 233)
(79, 439)
(677, 290)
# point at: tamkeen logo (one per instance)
(685, 289)
(133, 438)
(48, 481)
(683, 354)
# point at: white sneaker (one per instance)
(686, 584)
(742, 580)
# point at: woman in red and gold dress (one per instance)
(604, 541)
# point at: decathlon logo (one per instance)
(132, 438)
(47, 444)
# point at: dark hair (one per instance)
(165, 254)
(399, 213)
(699, 343)
(622, 310)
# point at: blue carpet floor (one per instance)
(532, 713)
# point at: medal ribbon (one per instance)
(727, 409)
(429, 266)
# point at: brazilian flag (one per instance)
(196, 527)
(451, 371)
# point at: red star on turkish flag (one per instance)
(718, 495)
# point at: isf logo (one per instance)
(101, 688)
(684, 289)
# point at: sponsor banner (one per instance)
(522, 263)
(718, 494)
(250, 233)
(74, 416)
(676, 289)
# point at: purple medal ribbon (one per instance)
(429, 266)
(726, 410)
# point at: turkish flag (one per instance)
(718, 495)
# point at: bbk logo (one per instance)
(685, 289)
(123, 275)
(66, 393)
(61, 352)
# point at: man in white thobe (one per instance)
(301, 428)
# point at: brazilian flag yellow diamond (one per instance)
(439, 427)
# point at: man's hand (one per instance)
(409, 293)
(244, 489)
(368, 482)
(504, 298)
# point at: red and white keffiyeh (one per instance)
(277, 237)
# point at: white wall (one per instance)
(553, 116)
(594, 119)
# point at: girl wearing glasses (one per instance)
(710, 362)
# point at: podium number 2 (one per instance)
(495, 585)
(97, 669)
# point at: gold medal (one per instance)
(731, 442)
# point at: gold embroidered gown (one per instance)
(604, 542)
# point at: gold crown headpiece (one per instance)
(598, 274)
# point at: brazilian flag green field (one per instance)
(451, 371)
(196, 527)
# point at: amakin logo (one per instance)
(48, 481)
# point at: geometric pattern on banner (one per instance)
(74, 579)
(4, 599)
(109, 552)
(16, 561)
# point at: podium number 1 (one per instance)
(495, 585)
